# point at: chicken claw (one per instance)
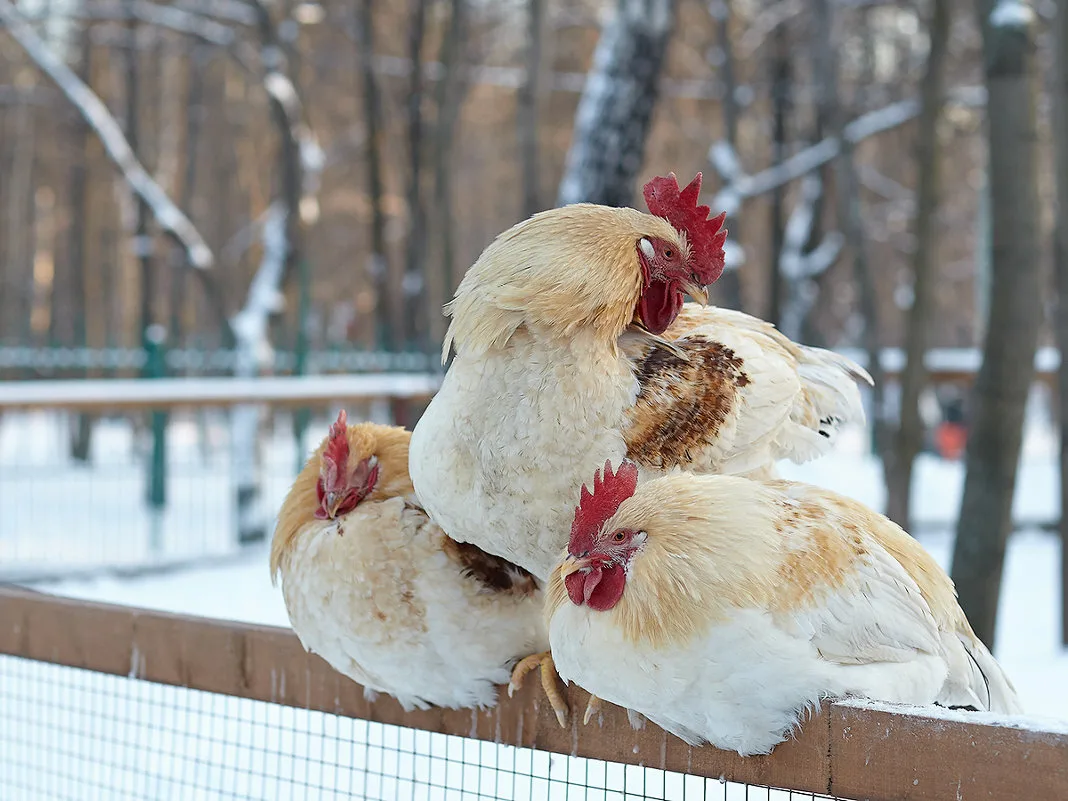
(592, 708)
(549, 682)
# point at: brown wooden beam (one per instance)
(846, 750)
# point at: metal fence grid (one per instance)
(46, 529)
(67, 733)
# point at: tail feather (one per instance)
(997, 689)
(975, 678)
(829, 401)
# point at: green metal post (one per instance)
(155, 367)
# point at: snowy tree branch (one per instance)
(96, 114)
(738, 186)
(171, 17)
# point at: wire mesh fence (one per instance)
(67, 733)
(154, 482)
(104, 701)
(46, 494)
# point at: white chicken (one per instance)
(551, 378)
(722, 608)
(382, 594)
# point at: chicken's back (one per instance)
(974, 677)
(744, 397)
(379, 596)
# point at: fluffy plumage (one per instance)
(384, 596)
(741, 603)
(516, 428)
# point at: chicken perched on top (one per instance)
(560, 365)
(382, 594)
(723, 607)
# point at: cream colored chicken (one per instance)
(722, 608)
(573, 346)
(382, 594)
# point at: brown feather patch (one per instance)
(682, 404)
(492, 572)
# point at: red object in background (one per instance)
(950, 440)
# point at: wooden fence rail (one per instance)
(850, 750)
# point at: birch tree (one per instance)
(616, 108)
(300, 160)
(1015, 311)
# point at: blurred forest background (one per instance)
(252, 184)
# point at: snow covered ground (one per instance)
(54, 514)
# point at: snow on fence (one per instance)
(116, 702)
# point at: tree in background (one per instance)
(616, 109)
(901, 451)
(528, 103)
(1015, 314)
(1060, 256)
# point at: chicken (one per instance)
(722, 608)
(573, 346)
(382, 594)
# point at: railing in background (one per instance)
(62, 517)
(260, 718)
(944, 364)
(194, 360)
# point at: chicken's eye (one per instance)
(619, 536)
(668, 253)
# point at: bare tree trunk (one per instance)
(81, 433)
(142, 242)
(528, 102)
(781, 85)
(1015, 314)
(824, 58)
(389, 312)
(152, 337)
(1060, 253)
(17, 299)
(450, 94)
(728, 289)
(193, 118)
(282, 253)
(616, 107)
(847, 193)
(414, 268)
(900, 456)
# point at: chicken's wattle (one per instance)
(600, 588)
(659, 305)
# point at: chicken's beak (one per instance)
(572, 564)
(696, 291)
(331, 502)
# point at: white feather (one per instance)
(384, 605)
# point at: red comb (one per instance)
(680, 208)
(336, 453)
(595, 508)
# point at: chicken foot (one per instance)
(549, 682)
